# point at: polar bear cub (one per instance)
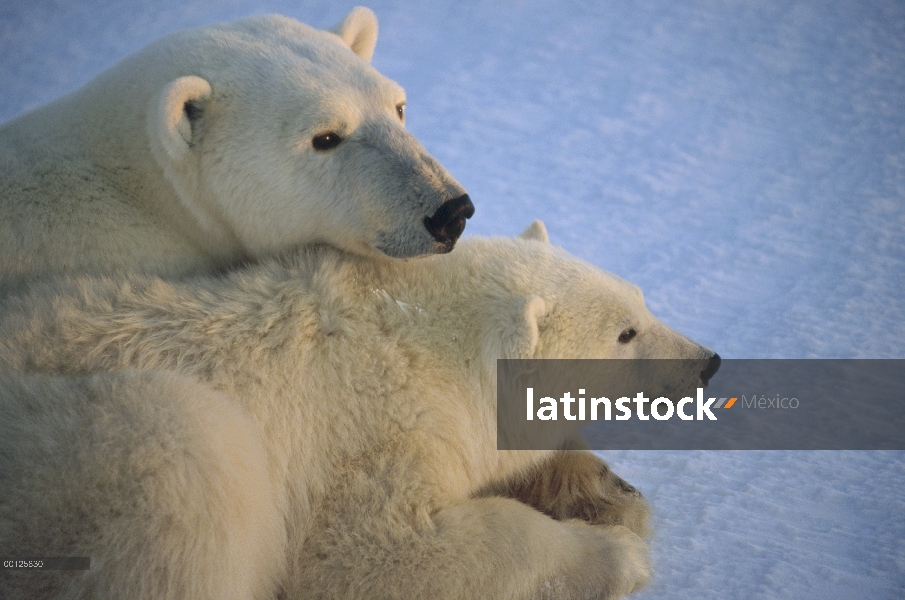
(322, 426)
(221, 144)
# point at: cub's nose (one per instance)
(712, 367)
(448, 223)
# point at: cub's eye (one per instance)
(326, 141)
(626, 336)
(400, 111)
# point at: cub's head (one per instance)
(276, 134)
(551, 305)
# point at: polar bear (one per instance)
(219, 145)
(318, 426)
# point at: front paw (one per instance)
(576, 484)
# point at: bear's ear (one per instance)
(521, 340)
(172, 114)
(536, 231)
(359, 30)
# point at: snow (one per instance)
(743, 162)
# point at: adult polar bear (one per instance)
(221, 144)
(342, 443)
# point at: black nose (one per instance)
(712, 367)
(448, 223)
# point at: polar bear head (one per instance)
(542, 302)
(524, 298)
(518, 298)
(276, 134)
(550, 305)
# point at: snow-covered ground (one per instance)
(743, 162)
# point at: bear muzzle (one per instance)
(448, 223)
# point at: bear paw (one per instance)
(577, 485)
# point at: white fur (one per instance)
(354, 399)
(359, 31)
(196, 153)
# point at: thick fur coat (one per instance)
(221, 144)
(319, 427)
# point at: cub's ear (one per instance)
(521, 334)
(536, 231)
(359, 31)
(173, 114)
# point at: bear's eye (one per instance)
(400, 111)
(626, 336)
(326, 141)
